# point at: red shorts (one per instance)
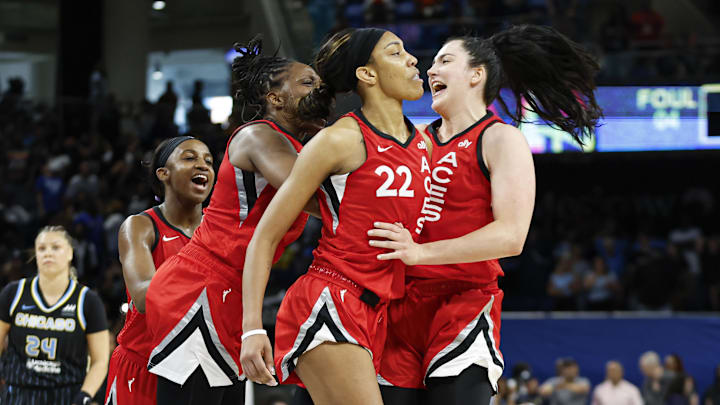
(128, 380)
(439, 329)
(324, 306)
(194, 307)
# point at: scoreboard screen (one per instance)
(635, 119)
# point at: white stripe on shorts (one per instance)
(321, 335)
(481, 350)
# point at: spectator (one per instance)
(563, 286)
(169, 97)
(198, 118)
(674, 366)
(681, 391)
(506, 393)
(322, 13)
(568, 388)
(564, 15)
(50, 188)
(711, 271)
(379, 11)
(712, 394)
(531, 396)
(602, 287)
(655, 384)
(615, 390)
(84, 181)
(647, 23)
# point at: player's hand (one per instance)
(257, 361)
(398, 239)
(82, 398)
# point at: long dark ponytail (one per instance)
(554, 75)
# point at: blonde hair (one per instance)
(59, 229)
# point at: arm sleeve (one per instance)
(6, 297)
(94, 311)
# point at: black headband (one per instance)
(360, 45)
(169, 147)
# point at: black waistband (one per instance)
(369, 298)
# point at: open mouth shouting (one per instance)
(437, 87)
(200, 182)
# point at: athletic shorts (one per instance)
(15, 395)
(325, 306)
(439, 329)
(128, 380)
(194, 315)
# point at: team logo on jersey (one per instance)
(44, 366)
(421, 145)
(69, 309)
(384, 149)
(27, 307)
(166, 239)
(130, 384)
(464, 144)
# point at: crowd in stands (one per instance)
(79, 165)
(663, 384)
(629, 37)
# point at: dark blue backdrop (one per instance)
(593, 341)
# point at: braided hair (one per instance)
(253, 76)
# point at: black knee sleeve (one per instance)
(472, 386)
(400, 396)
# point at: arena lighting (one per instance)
(158, 5)
(157, 74)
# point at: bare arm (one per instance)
(578, 387)
(4, 330)
(99, 350)
(135, 241)
(333, 150)
(264, 150)
(512, 179)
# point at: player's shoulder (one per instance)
(341, 133)
(12, 286)
(90, 295)
(501, 135)
(260, 134)
(138, 222)
(500, 128)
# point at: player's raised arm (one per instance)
(333, 150)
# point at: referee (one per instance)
(53, 323)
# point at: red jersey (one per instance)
(459, 200)
(238, 201)
(168, 241)
(388, 187)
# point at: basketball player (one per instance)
(52, 323)
(181, 172)
(368, 165)
(445, 333)
(193, 301)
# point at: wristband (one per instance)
(253, 332)
(82, 398)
